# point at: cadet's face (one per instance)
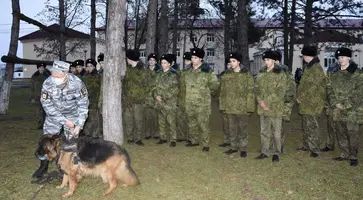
(90, 68)
(307, 59)
(73, 70)
(165, 65)
(234, 63)
(187, 62)
(268, 62)
(152, 62)
(196, 60)
(58, 75)
(343, 60)
(128, 61)
(41, 69)
(79, 68)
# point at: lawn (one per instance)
(183, 173)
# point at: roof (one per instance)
(41, 34)
(262, 23)
(332, 36)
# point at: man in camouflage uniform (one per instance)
(151, 115)
(135, 87)
(345, 92)
(37, 80)
(92, 80)
(197, 85)
(182, 125)
(80, 68)
(73, 69)
(65, 100)
(238, 103)
(165, 97)
(311, 96)
(222, 96)
(100, 59)
(271, 87)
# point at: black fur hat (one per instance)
(198, 52)
(91, 61)
(41, 65)
(100, 57)
(278, 55)
(309, 51)
(187, 56)
(269, 54)
(78, 62)
(236, 56)
(152, 55)
(167, 57)
(133, 54)
(343, 51)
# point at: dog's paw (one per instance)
(67, 195)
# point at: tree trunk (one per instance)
(136, 23)
(62, 24)
(151, 26)
(243, 32)
(13, 48)
(286, 31)
(175, 27)
(93, 29)
(163, 25)
(227, 28)
(308, 28)
(116, 66)
(292, 35)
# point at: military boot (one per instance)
(43, 168)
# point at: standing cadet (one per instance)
(92, 80)
(239, 102)
(100, 59)
(37, 80)
(165, 95)
(197, 86)
(271, 90)
(151, 115)
(345, 91)
(80, 68)
(222, 101)
(65, 100)
(73, 69)
(311, 96)
(135, 92)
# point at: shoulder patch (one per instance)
(45, 95)
(84, 91)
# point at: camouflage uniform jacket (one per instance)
(166, 86)
(150, 76)
(93, 83)
(197, 87)
(37, 80)
(346, 88)
(222, 92)
(290, 93)
(312, 89)
(237, 92)
(271, 89)
(70, 99)
(135, 85)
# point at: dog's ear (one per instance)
(55, 137)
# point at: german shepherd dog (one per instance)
(97, 157)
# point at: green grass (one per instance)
(184, 173)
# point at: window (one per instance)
(178, 52)
(142, 53)
(194, 37)
(210, 38)
(210, 52)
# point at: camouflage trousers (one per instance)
(283, 137)
(310, 126)
(167, 124)
(134, 121)
(92, 124)
(271, 129)
(237, 125)
(181, 123)
(226, 130)
(54, 127)
(331, 135)
(348, 139)
(40, 114)
(151, 122)
(198, 124)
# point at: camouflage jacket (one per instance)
(346, 88)
(135, 85)
(37, 80)
(290, 96)
(312, 89)
(150, 76)
(237, 92)
(271, 88)
(196, 88)
(222, 92)
(69, 100)
(93, 84)
(166, 86)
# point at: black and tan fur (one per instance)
(96, 157)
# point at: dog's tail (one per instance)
(126, 173)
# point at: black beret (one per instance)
(309, 51)
(41, 65)
(198, 52)
(100, 57)
(278, 55)
(167, 57)
(91, 61)
(343, 51)
(187, 56)
(152, 55)
(78, 62)
(236, 56)
(269, 54)
(133, 54)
